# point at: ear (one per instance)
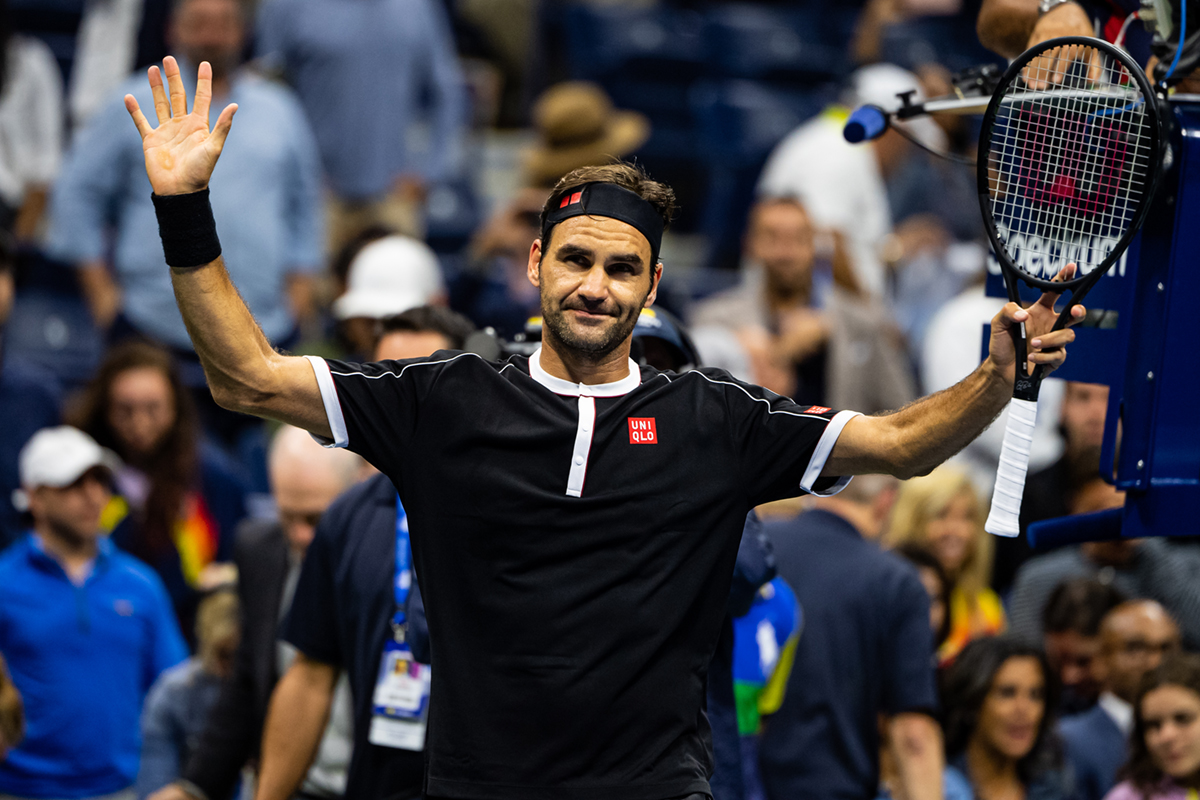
(655, 279)
(533, 270)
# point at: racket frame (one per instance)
(1027, 385)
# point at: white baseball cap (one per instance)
(390, 276)
(881, 84)
(58, 457)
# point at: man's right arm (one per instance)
(295, 724)
(1010, 27)
(243, 370)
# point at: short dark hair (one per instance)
(429, 319)
(623, 174)
(1176, 669)
(965, 686)
(1078, 605)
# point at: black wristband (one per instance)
(187, 229)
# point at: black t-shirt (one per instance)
(341, 615)
(575, 546)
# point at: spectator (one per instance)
(12, 713)
(344, 613)
(181, 698)
(943, 511)
(86, 630)
(937, 585)
(577, 126)
(31, 129)
(1149, 568)
(866, 650)
(1071, 637)
(371, 65)
(1135, 637)
(844, 185)
(492, 288)
(802, 336)
(999, 695)
(267, 201)
(305, 478)
(1049, 492)
(177, 500)
(1165, 760)
(387, 277)
(29, 401)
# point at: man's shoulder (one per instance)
(14, 559)
(136, 574)
(735, 307)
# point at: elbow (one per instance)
(240, 397)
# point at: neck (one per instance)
(862, 517)
(73, 553)
(993, 774)
(781, 297)
(562, 363)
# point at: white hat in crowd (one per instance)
(880, 85)
(390, 276)
(58, 457)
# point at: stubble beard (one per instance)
(587, 348)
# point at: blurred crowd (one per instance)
(194, 604)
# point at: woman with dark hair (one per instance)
(997, 697)
(1164, 758)
(176, 502)
(937, 585)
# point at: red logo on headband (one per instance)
(571, 200)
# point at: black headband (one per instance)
(606, 200)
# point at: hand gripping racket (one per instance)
(1068, 160)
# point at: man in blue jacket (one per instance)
(85, 630)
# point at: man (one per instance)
(305, 479)
(269, 207)
(343, 612)
(866, 650)
(385, 67)
(85, 629)
(556, 502)
(1134, 638)
(1150, 568)
(1071, 637)
(805, 337)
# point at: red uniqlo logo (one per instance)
(816, 410)
(642, 431)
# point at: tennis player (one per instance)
(574, 518)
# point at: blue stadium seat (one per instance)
(54, 331)
(781, 44)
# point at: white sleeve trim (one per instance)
(821, 454)
(333, 407)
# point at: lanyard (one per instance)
(403, 579)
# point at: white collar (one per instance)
(559, 386)
(1118, 710)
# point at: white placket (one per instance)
(583, 445)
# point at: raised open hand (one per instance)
(181, 152)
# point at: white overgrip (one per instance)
(1004, 518)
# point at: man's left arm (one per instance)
(917, 438)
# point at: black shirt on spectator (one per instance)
(575, 546)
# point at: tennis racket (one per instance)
(1068, 160)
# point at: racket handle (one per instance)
(1005, 517)
(865, 123)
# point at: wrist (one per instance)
(187, 229)
(1046, 6)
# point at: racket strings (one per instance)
(1069, 161)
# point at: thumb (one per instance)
(224, 123)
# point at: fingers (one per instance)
(203, 91)
(175, 88)
(139, 119)
(1048, 298)
(162, 108)
(221, 129)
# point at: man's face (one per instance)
(72, 512)
(1072, 655)
(212, 31)
(302, 493)
(780, 237)
(594, 280)
(1084, 407)
(1133, 639)
(399, 345)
